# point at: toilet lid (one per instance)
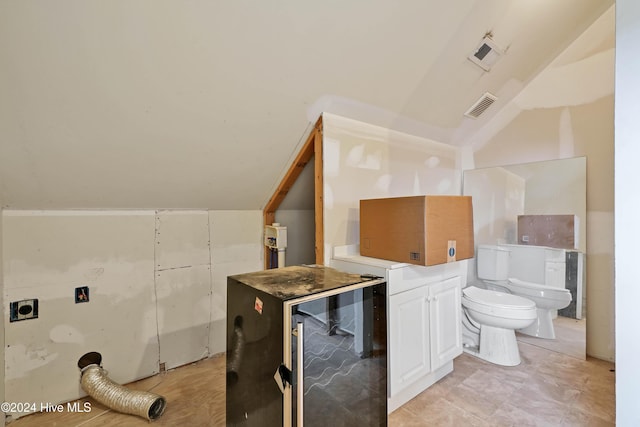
(537, 286)
(497, 299)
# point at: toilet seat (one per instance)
(497, 299)
(530, 289)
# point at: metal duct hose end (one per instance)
(234, 356)
(97, 384)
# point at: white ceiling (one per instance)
(203, 104)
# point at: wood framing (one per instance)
(319, 190)
(311, 148)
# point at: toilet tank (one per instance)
(537, 264)
(493, 262)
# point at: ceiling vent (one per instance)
(486, 54)
(481, 105)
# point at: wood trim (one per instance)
(309, 149)
(319, 200)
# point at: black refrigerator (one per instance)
(306, 345)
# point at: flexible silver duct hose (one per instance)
(97, 384)
(234, 357)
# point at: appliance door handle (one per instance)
(299, 374)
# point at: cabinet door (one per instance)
(409, 338)
(445, 312)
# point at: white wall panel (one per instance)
(183, 286)
(236, 247)
(184, 310)
(157, 291)
(2, 397)
(182, 239)
(46, 257)
(362, 161)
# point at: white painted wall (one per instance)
(157, 282)
(182, 285)
(236, 247)
(300, 235)
(567, 111)
(557, 187)
(362, 161)
(498, 198)
(297, 213)
(2, 394)
(627, 212)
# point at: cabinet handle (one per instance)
(300, 371)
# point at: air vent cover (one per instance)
(481, 105)
(486, 54)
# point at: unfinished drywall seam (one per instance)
(209, 344)
(155, 280)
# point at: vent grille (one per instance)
(486, 54)
(481, 105)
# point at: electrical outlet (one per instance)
(82, 294)
(23, 310)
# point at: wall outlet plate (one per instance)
(23, 310)
(82, 294)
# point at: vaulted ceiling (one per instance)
(203, 104)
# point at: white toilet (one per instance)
(493, 270)
(488, 322)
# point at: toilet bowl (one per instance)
(495, 272)
(489, 320)
(547, 299)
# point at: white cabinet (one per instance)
(424, 324)
(424, 331)
(409, 331)
(445, 321)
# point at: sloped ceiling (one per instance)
(203, 104)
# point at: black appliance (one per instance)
(306, 345)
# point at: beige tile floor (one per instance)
(570, 337)
(546, 389)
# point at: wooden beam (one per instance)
(319, 201)
(304, 156)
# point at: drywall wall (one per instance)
(570, 131)
(157, 291)
(48, 255)
(300, 235)
(498, 198)
(297, 213)
(182, 285)
(236, 247)
(627, 212)
(2, 396)
(362, 161)
(557, 187)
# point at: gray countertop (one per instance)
(297, 281)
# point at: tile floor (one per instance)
(546, 389)
(570, 337)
